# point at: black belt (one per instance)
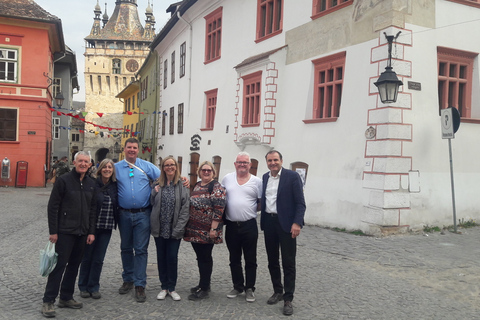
(135, 210)
(272, 214)
(240, 223)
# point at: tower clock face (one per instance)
(132, 65)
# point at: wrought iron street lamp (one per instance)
(59, 99)
(388, 83)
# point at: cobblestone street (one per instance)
(339, 275)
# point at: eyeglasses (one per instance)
(243, 163)
(206, 170)
(131, 173)
(169, 165)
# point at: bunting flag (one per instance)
(100, 114)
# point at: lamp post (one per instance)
(388, 82)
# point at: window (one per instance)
(56, 128)
(8, 124)
(172, 120)
(133, 102)
(455, 72)
(8, 65)
(211, 97)
(251, 99)
(269, 18)
(180, 118)
(75, 137)
(56, 86)
(164, 122)
(183, 56)
(165, 70)
(116, 63)
(128, 104)
(323, 7)
(327, 87)
(173, 67)
(473, 3)
(213, 35)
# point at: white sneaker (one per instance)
(161, 295)
(175, 296)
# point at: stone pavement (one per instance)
(339, 275)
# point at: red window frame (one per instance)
(252, 91)
(269, 19)
(455, 76)
(211, 104)
(324, 7)
(328, 87)
(213, 35)
(472, 3)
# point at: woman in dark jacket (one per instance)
(170, 212)
(92, 263)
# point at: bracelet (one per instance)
(213, 229)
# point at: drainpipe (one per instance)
(189, 60)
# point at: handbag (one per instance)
(48, 259)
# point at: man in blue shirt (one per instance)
(133, 180)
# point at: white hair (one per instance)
(83, 153)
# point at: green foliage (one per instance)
(354, 232)
(430, 229)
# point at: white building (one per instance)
(298, 76)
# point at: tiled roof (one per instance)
(25, 9)
(257, 57)
(124, 24)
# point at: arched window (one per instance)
(302, 169)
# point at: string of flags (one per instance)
(81, 116)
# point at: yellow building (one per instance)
(131, 112)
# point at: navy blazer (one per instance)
(290, 200)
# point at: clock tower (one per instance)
(114, 51)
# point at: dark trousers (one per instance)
(242, 237)
(92, 263)
(275, 239)
(70, 253)
(167, 262)
(205, 263)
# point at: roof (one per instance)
(257, 57)
(30, 10)
(124, 24)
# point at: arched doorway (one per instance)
(101, 154)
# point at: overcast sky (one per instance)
(77, 19)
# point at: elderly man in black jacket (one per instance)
(71, 223)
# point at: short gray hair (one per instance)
(82, 153)
(243, 153)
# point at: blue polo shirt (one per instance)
(134, 192)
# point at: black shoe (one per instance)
(96, 295)
(84, 294)
(140, 295)
(198, 295)
(125, 288)
(275, 298)
(196, 288)
(287, 308)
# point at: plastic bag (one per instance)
(48, 259)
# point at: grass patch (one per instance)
(354, 232)
(462, 223)
(430, 229)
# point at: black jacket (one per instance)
(72, 205)
(111, 189)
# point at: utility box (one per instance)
(21, 177)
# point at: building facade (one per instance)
(31, 40)
(298, 77)
(115, 49)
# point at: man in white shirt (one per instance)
(244, 191)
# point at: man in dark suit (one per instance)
(283, 209)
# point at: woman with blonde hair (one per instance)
(207, 203)
(170, 212)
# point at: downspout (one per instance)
(189, 60)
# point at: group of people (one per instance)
(143, 200)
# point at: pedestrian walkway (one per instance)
(339, 275)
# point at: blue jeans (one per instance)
(92, 263)
(167, 262)
(134, 237)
